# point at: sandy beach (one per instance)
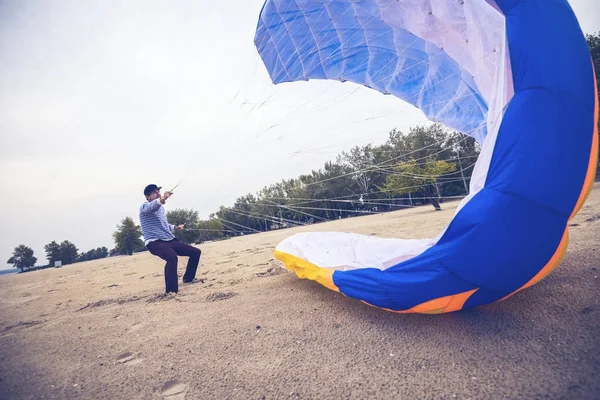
(253, 330)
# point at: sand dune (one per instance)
(252, 330)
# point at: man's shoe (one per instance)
(195, 280)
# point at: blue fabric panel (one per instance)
(543, 149)
(349, 41)
(500, 241)
(548, 49)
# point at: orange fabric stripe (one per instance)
(591, 173)
(436, 306)
(458, 301)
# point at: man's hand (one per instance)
(179, 227)
(165, 196)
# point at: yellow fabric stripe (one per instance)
(307, 270)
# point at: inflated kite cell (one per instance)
(516, 75)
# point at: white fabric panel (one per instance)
(346, 251)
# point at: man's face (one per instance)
(154, 195)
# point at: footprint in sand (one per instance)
(173, 390)
(593, 218)
(273, 270)
(220, 296)
(129, 359)
(135, 327)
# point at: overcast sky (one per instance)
(98, 99)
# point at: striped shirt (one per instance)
(153, 219)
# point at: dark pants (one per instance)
(169, 251)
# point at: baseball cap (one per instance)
(151, 188)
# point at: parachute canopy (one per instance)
(516, 75)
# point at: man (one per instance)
(160, 239)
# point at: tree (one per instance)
(68, 252)
(412, 177)
(93, 254)
(127, 237)
(189, 218)
(53, 252)
(102, 252)
(243, 216)
(421, 142)
(87, 256)
(353, 183)
(465, 151)
(210, 230)
(593, 41)
(361, 160)
(22, 258)
(65, 252)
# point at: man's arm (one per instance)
(154, 205)
(150, 206)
